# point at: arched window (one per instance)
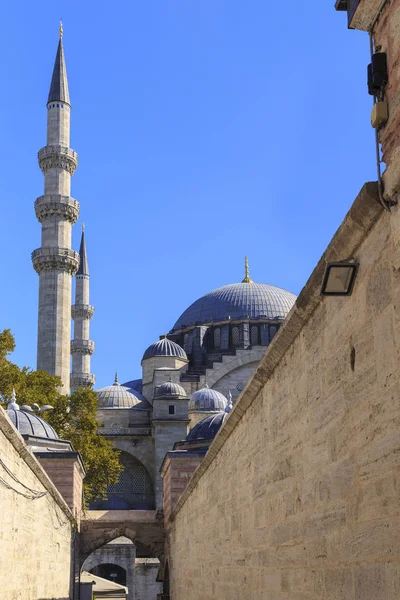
(254, 336)
(272, 331)
(235, 336)
(118, 487)
(217, 338)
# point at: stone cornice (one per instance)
(82, 347)
(58, 157)
(56, 205)
(356, 225)
(82, 311)
(55, 259)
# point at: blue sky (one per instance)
(205, 131)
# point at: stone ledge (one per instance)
(358, 222)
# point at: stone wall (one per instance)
(146, 585)
(298, 496)
(36, 530)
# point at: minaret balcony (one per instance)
(82, 311)
(55, 259)
(56, 205)
(82, 347)
(82, 380)
(58, 157)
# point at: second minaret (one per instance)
(81, 346)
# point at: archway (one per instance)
(112, 572)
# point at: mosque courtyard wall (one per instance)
(36, 526)
(298, 495)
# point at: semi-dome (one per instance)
(207, 400)
(119, 396)
(170, 389)
(28, 423)
(246, 300)
(165, 347)
(207, 429)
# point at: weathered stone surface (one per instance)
(298, 496)
(36, 533)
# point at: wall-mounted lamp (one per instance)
(339, 278)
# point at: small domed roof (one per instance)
(208, 400)
(169, 389)
(118, 396)
(207, 429)
(27, 422)
(165, 347)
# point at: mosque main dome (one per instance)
(246, 300)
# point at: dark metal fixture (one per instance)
(377, 73)
(339, 278)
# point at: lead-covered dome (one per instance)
(207, 429)
(28, 423)
(165, 347)
(238, 301)
(170, 389)
(119, 396)
(207, 400)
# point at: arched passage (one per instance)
(147, 537)
(133, 491)
(111, 572)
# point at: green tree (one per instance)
(73, 417)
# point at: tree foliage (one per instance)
(73, 417)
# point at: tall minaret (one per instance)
(81, 346)
(55, 261)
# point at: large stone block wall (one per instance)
(35, 534)
(298, 496)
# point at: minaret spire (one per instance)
(55, 261)
(246, 271)
(59, 82)
(81, 346)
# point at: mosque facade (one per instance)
(194, 372)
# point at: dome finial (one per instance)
(116, 382)
(228, 407)
(246, 271)
(13, 402)
(61, 30)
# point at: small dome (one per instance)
(169, 389)
(165, 347)
(28, 423)
(207, 429)
(118, 396)
(207, 400)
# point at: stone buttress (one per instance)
(55, 261)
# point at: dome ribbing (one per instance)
(207, 429)
(170, 389)
(28, 423)
(165, 347)
(207, 400)
(238, 301)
